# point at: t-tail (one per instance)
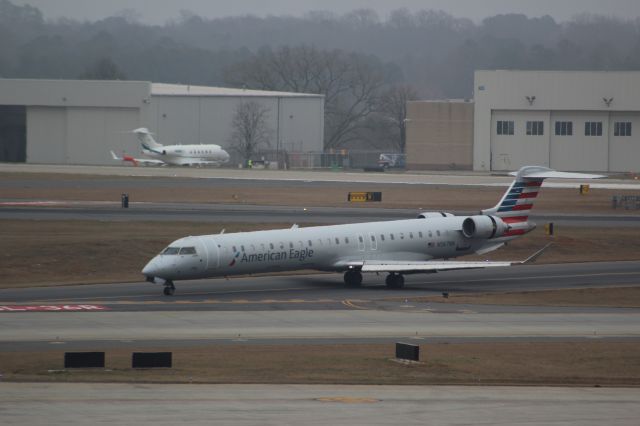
(517, 202)
(147, 141)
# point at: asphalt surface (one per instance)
(449, 177)
(146, 404)
(327, 291)
(318, 309)
(198, 212)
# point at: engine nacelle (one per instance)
(426, 215)
(484, 227)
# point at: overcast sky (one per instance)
(162, 10)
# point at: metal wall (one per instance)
(298, 123)
(77, 122)
(556, 96)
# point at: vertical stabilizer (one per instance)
(516, 203)
(147, 141)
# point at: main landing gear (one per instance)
(169, 288)
(394, 281)
(352, 278)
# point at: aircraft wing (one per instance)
(424, 266)
(136, 161)
(409, 267)
(150, 162)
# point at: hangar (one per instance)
(79, 122)
(566, 120)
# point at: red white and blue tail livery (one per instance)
(516, 204)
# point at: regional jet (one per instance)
(398, 247)
(176, 155)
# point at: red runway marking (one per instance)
(52, 308)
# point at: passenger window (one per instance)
(253, 248)
(290, 244)
(188, 250)
(242, 248)
(234, 249)
(373, 238)
(382, 237)
(402, 235)
(411, 235)
(262, 247)
(392, 237)
(430, 234)
(310, 243)
(281, 245)
(271, 246)
(346, 240)
(171, 250)
(337, 240)
(360, 239)
(420, 234)
(438, 232)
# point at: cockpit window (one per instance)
(171, 250)
(188, 250)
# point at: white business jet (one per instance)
(176, 155)
(396, 247)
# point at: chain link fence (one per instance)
(338, 159)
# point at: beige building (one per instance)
(439, 135)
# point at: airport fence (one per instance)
(338, 159)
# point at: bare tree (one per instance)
(250, 129)
(392, 106)
(350, 83)
(103, 69)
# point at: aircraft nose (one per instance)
(152, 268)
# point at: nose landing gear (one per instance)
(169, 288)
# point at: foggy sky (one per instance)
(164, 10)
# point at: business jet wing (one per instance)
(136, 161)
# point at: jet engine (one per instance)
(426, 215)
(483, 227)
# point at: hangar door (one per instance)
(13, 134)
(519, 138)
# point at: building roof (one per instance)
(163, 89)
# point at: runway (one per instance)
(318, 307)
(199, 212)
(449, 177)
(142, 404)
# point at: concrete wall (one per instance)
(576, 96)
(439, 135)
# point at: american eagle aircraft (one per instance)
(175, 155)
(396, 247)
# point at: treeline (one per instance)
(428, 54)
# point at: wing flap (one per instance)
(419, 266)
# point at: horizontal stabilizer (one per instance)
(545, 173)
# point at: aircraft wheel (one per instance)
(394, 281)
(353, 278)
(169, 289)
